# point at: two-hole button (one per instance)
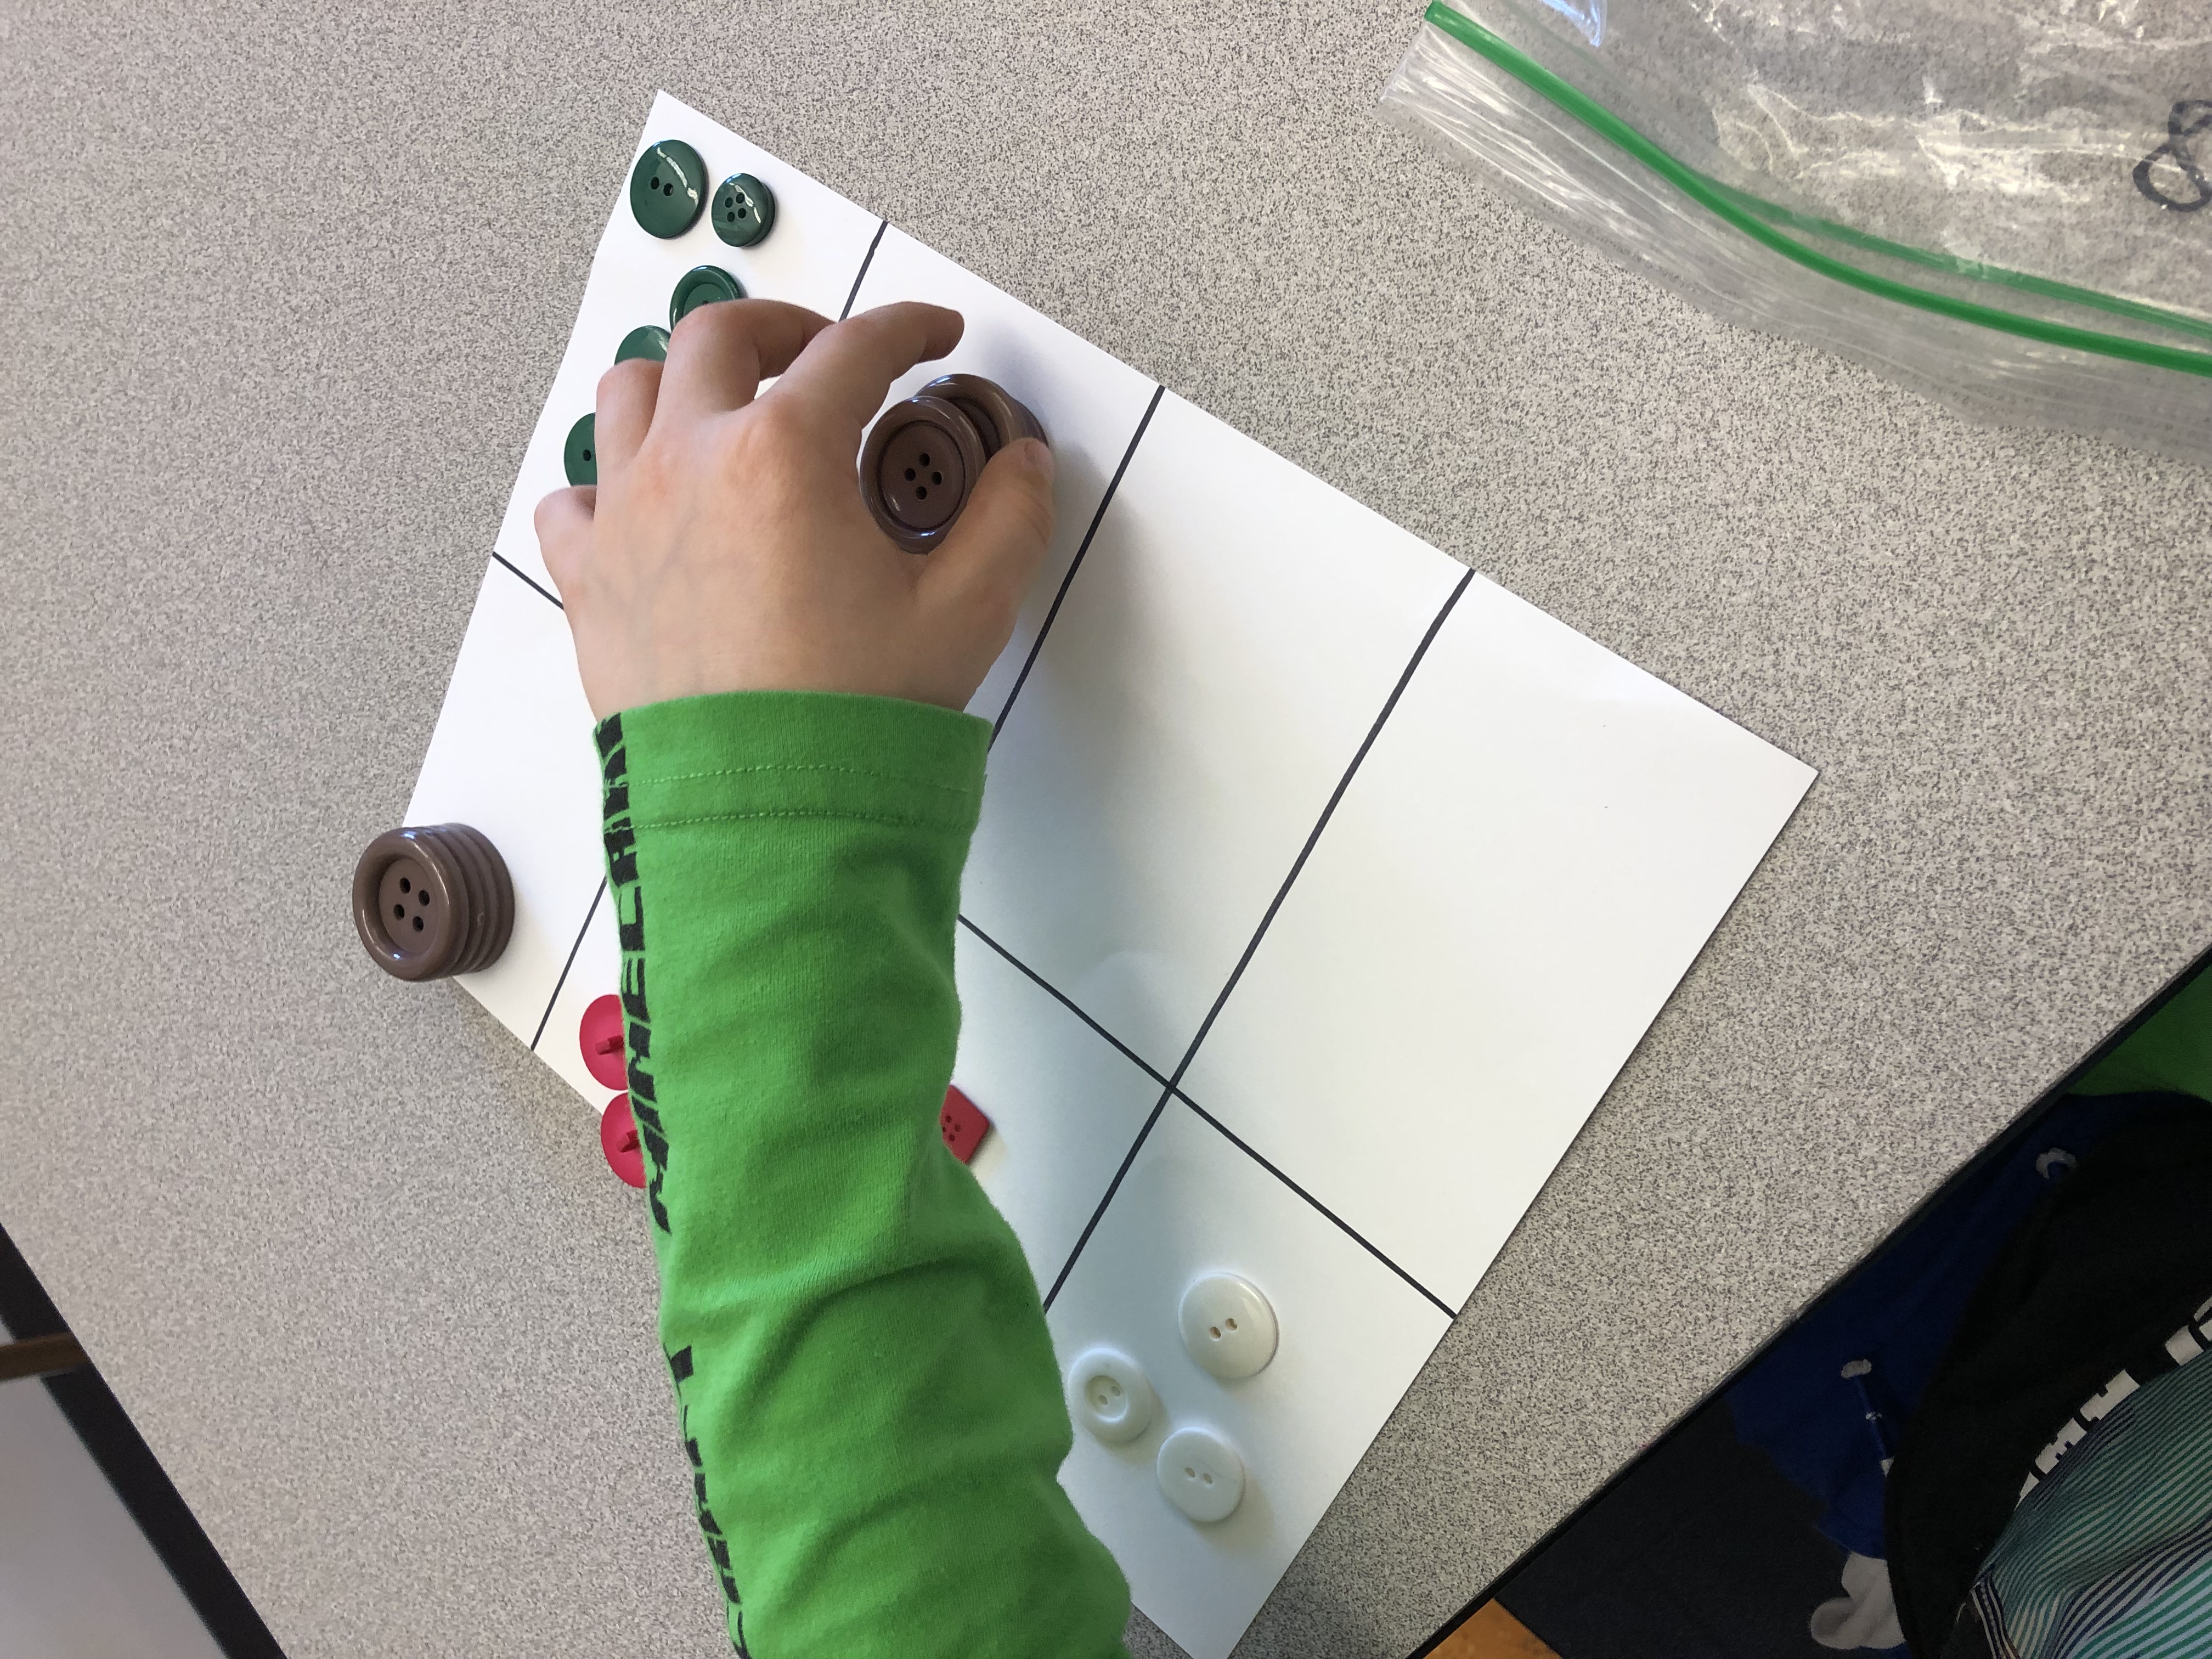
(1229, 1327)
(701, 285)
(1108, 1394)
(667, 188)
(1200, 1473)
(579, 455)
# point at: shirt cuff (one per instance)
(746, 755)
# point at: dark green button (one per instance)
(646, 341)
(702, 285)
(744, 210)
(667, 187)
(580, 454)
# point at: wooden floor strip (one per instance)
(1491, 1632)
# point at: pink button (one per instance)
(618, 1140)
(600, 1037)
(962, 1124)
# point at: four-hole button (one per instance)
(743, 210)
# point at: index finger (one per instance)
(845, 371)
(720, 353)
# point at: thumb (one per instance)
(563, 521)
(982, 568)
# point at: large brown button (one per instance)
(433, 901)
(924, 456)
(1001, 419)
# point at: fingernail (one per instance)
(1040, 458)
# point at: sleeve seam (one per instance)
(825, 814)
(962, 790)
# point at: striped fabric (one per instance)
(2111, 1556)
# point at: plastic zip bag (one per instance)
(1998, 205)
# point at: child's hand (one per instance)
(725, 547)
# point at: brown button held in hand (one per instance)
(925, 455)
(433, 901)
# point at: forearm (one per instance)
(867, 1387)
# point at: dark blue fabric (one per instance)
(1898, 1310)
(1702, 1550)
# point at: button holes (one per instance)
(937, 478)
(910, 475)
(921, 492)
(1215, 1331)
(418, 924)
(1230, 1323)
(406, 886)
(924, 461)
(1208, 1478)
(399, 913)
(1189, 1474)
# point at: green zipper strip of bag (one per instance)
(1758, 219)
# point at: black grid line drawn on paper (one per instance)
(571, 963)
(1075, 564)
(861, 275)
(1298, 866)
(534, 586)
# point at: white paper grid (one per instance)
(1322, 889)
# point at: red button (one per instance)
(962, 1124)
(618, 1140)
(600, 1037)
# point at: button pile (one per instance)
(1229, 1330)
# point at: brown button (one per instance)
(1001, 419)
(924, 456)
(433, 901)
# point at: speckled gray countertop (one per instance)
(282, 291)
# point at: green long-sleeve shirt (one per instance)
(867, 1392)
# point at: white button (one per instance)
(1227, 1325)
(1110, 1395)
(1201, 1475)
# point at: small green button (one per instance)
(580, 454)
(667, 187)
(702, 285)
(744, 210)
(646, 341)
